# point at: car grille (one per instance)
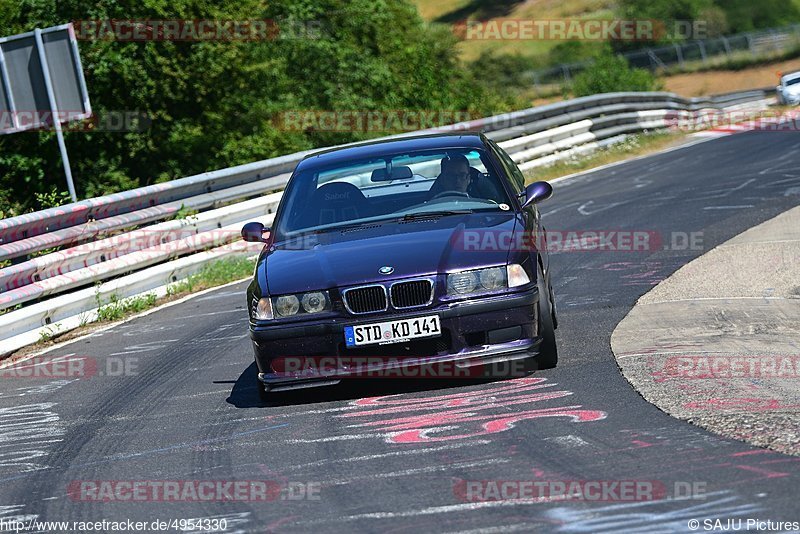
(411, 294)
(365, 299)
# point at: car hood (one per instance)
(415, 248)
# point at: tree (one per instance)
(746, 15)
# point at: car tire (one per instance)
(553, 308)
(548, 351)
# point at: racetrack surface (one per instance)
(189, 409)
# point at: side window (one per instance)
(517, 178)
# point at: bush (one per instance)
(610, 73)
(52, 198)
(505, 76)
(572, 52)
(746, 15)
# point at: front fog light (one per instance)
(517, 276)
(287, 305)
(314, 302)
(264, 310)
(462, 283)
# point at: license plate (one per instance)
(392, 331)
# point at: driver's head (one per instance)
(455, 173)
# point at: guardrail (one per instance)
(533, 137)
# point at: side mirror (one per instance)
(537, 192)
(254, 232)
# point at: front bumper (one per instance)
(790, 99)
(479, 332)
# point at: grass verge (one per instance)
(213, 274)
(116, 308)
(632, 146)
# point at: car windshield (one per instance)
(394, 186)
(792, 81)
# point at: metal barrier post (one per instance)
(51, 97)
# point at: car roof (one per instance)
(378, 148)
(791, 75)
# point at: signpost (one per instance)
(42, 85)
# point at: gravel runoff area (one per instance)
(718, 343)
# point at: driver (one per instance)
(455, 176)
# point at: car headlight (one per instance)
(291, 305)
(493, 278)
(287, 305)
(314, 302)
(482, 280)
(462, 283)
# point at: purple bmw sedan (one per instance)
(404, 254)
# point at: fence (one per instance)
(755, 44)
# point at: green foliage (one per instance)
(214, 104)
(213, 274)
(4, 264)
(502, 74)
(663, 10)
(747, 15)
(716, 17)
(49, 332)
(573, 52)
(184, 213)
(664, 13)
(117, 308)
(632, 145)
(610, 73)
(52, 198)
(737, 61)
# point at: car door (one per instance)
(531, 216)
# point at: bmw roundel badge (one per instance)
(386, 269)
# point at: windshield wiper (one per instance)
(433, 214)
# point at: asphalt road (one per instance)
(186, 409)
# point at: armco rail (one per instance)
(69, 311)
(77, 257)
(533, 137)
(90, 230)
(126, 252)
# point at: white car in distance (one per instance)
(789, 89)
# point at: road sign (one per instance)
(42, 85)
